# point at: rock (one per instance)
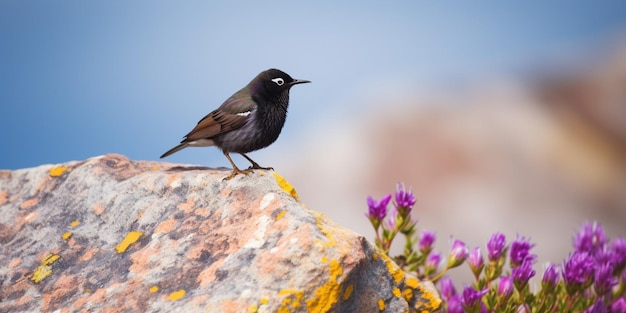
(113, 235)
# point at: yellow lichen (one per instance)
(74, 223)
(411, 282)
(264, 301)
(281, 215)
(286, 186)
(130, 238)
(328, 294)
(293, 300)
(407, 294)
(45, 268)
(395, 271)
(253, 309)
(381, 304)
(176, 295)
(348, 292)
(57, 171)
(154, 289)
(396, 292)
(67, 235)
(433, 301)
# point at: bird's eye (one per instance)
(279, 81)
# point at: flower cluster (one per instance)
(418, 256)
(591, 279)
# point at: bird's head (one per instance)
(275, 82)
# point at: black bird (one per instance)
(249, 120)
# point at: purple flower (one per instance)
(447, 288)
(618, 253)
(404, 200)
(472, 297)
(377, 210)
(522, 274)
(578, 271)
(432, 263)
(475, 261)
(427, 239)
(598, 307)
(458, 254)
(455, 305)
(619, 305)
(604, 280)
(550, 277)
(590, 239)
(505, 287)
(495, 246)
(520, 251)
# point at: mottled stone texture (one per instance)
(113, 235)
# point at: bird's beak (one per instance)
(299, 81)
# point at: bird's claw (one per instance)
(235, 172)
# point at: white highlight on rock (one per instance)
(274, 250)
(176, 183)
(267, 200)
(258, 239)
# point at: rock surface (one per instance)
(113, 235)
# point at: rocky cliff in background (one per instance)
(113, 235)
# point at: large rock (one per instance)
(113, 235)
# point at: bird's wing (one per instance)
(232, 114)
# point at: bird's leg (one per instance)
(255, 165)
(236, 170)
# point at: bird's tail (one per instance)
(175, 149)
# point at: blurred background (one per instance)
(502, 117)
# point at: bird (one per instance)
(251, 119)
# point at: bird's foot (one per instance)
(235, 172)
(257, 167)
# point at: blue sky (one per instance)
(84, 78)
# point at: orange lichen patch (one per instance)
(286, 186)
(99, 296)
(176, 295)
(381, 304)
(4, 197)
(74, 223)
(154, 289)
(15, 262)
(204, 212)
(98, 208)
(130, 238)
(348, 292)
(165, 227)
(29, 203)
(208, 275)
(328, 294)
(187, 206)
(87, 255)
(67, 235)
(200, 299)
(62, 286)
(57, 171)
(195, 252)
(44, 269)
(142, 257)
